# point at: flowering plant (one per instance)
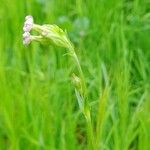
(46, 34)
(52, 34)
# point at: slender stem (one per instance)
(86, 112)
(81, 74)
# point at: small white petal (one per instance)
(27, 27)
(28, 24)
(28, 17)
(26, 34)
(26, 41)
(29, 21)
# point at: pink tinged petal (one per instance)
(28, 24)
(26, 34)
(27, 27)
(26, 41)
(28, 17)
(29, 21)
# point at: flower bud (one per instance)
(76, 81)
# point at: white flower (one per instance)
(29, 17)
(28, 24)
(26, 38)
(26, 34)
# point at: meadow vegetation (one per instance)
(38, 103)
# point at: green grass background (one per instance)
(38, 107)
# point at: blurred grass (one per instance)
(38, 107)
